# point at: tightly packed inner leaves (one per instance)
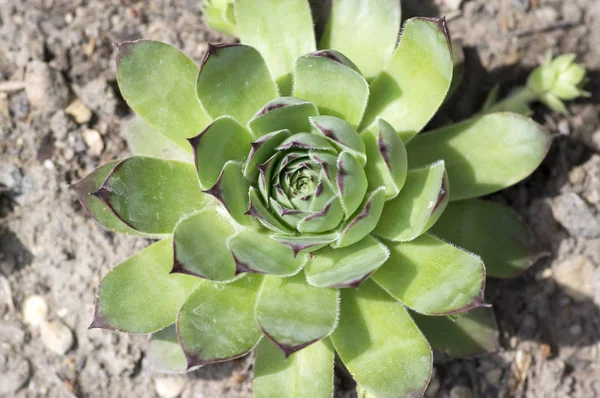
(297, 210)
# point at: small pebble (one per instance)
(80, 112)
(56, 336)
(35, 310)
(169, 387)
(575, 215)
(574, 275)
(46, 87)
(94, 142)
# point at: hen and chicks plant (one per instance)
(298, 207)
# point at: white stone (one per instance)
(575, 274)
(56, 336)
(169, 387)
(35, 310)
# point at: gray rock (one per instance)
(99, 96)
(15, 373)
(575, 216)
(10, 332)
(576, 274)
(11, 177)
(461, 392)
(46, 88)
(61, 124)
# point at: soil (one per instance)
(55, 51)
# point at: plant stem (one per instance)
(518, 101)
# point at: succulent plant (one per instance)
(298, 211)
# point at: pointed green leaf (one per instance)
(281, 30)
(234, 80)
(330, 80)
(348, 266)
(351, 182)
(323, 220)
(493, 231)
(157, 81)
(470, 334)
(262, 150)
(97, 209)
(414, 83)
(387, 161)
(341, 134)
(307, 373)
(306, 243)
(306, 141)
(259, 210)
(139, 295)
(220, 142)
(484, 154)
(283, 113)
(255, 251)
(433, 277)
(217, 322)
(418, 206)
(200, 246)
(144, 140)
(164, 352)
(365, 30)
(380, 344)
(293, 314)
(364, 220)
(151, 195)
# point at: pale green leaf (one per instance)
(341, 134)
(351, 182)
(306, 243)
(164, 353)
(364, 221)
(262, 150)
(283, 113)
(231, 190)
(143, 140)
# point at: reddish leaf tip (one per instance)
(286, 348)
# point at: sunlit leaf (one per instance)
(144, 140)
(164, 353)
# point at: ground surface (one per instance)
(549, 316)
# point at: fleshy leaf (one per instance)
(380, 344)
(468, 335)
(417, 207)
(293, 314)
(281, 30)
(164, 352)
(364, 30)
(220, 16)
(200, 248)
(144, 140)
(283, 113)
(414, 83)
(306, 243)
(351, 182)
(262, 150)
(341, 134)
(484, 154)
(220, 142)
(364, 221)
(139, 295)
(323, 220)
(259, 210)
(306, 373)
(255, 251)
(493, 231)
(387, 163)
(306, 141)
(330, 80)
(433, 277)
(217, 322)
(152, 195)
(348, 266)
(234, 80)
(157, 81)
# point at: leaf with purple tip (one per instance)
(262, 150)
(216, 323)
(234, 80)
(140, 295)
(418, 206)
(341, 134)
(364, 221)
(413, 85)
(332, 82)
(348, 266)
(164, 353)
(152, 195)
(467, 335)
(326, 219)
(223, 140)
(375, 329)
(433, 277)
(293, 314)
(351, 182)
(157, 82)
(306, 141)
(306, 243)
(306, 373)
(283, 113)
(200, 246)
(259, 210)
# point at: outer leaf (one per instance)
(414, 83)
(346, 267)
(330, 80)
(493, 231)
(293, 314)
(417, 207)
(376, 330)
(432, 277)
(152, 195)
(139, 295)
(234, 80)
(144, 140)
(484, 154)
(307, 373)
(282, 31)
(200, 248)
(217, 322)
(164, 352)
(255, 251)
(157, 81)
(470, 334)
(283, 113)
(220, 142)
(364, 30)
